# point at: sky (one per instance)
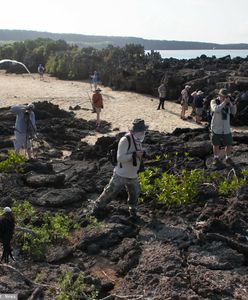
(218, 21)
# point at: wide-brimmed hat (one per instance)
(200, 93)
(223, 92)
(187, 87)
(98, 90)
(138, 125)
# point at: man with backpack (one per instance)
(25, 127)
(129, 156)
(222, 108)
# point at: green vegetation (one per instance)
(67, 61)
(12, 163)
(94, 223)
(230, 185)
(168, 188)
(181, 188)
(75, 288)
(43, 230)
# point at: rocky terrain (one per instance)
(193, 251)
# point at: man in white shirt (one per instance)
(129, 156)
(221, 134)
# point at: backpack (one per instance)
(112, 152)
(40, 69)
(30, 130)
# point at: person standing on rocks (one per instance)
(198, 103)
(184, 101)
(25, 127)
(129, 156)
(97, 103)
(7, 227)
(221, 134)
(162, 95)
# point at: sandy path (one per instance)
(120, 108)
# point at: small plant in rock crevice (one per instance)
(75, 287)
(36, 240)
(13, 163)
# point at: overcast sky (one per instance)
(220, 21)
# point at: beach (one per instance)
(120, 107)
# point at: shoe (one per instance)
(158, 108)
(216, 161)
(229, 161)
(132, 212)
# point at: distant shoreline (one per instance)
(194, 53)
(100, 42)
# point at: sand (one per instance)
(120, 108)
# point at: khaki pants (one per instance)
(114, 186)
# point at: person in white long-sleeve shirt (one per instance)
(129, 155)
(221, 134)
(25, 127)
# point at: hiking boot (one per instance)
(229, 161)
(216, 161)
(132, 212)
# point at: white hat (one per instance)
(7, 209)
(187, 86)
(30, 105)
(200, 93)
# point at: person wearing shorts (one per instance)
(221, 134)
(97, 103)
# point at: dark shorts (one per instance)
(221, 139)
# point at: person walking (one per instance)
(97, 103)
(184, 101)
(221, 109)
(41, 70)
(25, 127)
(162, 95)
(125, 174)
(95, 79)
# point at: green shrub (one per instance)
(12, 163)
(170, 188)
(52, 229)
(75, 289)
(231, 184)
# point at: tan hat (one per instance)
(223, 92)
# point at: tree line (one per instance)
(67, 61)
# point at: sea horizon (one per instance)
(190, 54)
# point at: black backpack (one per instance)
(112, 152)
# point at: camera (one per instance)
(134, 159)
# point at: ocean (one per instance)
(187, 54)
